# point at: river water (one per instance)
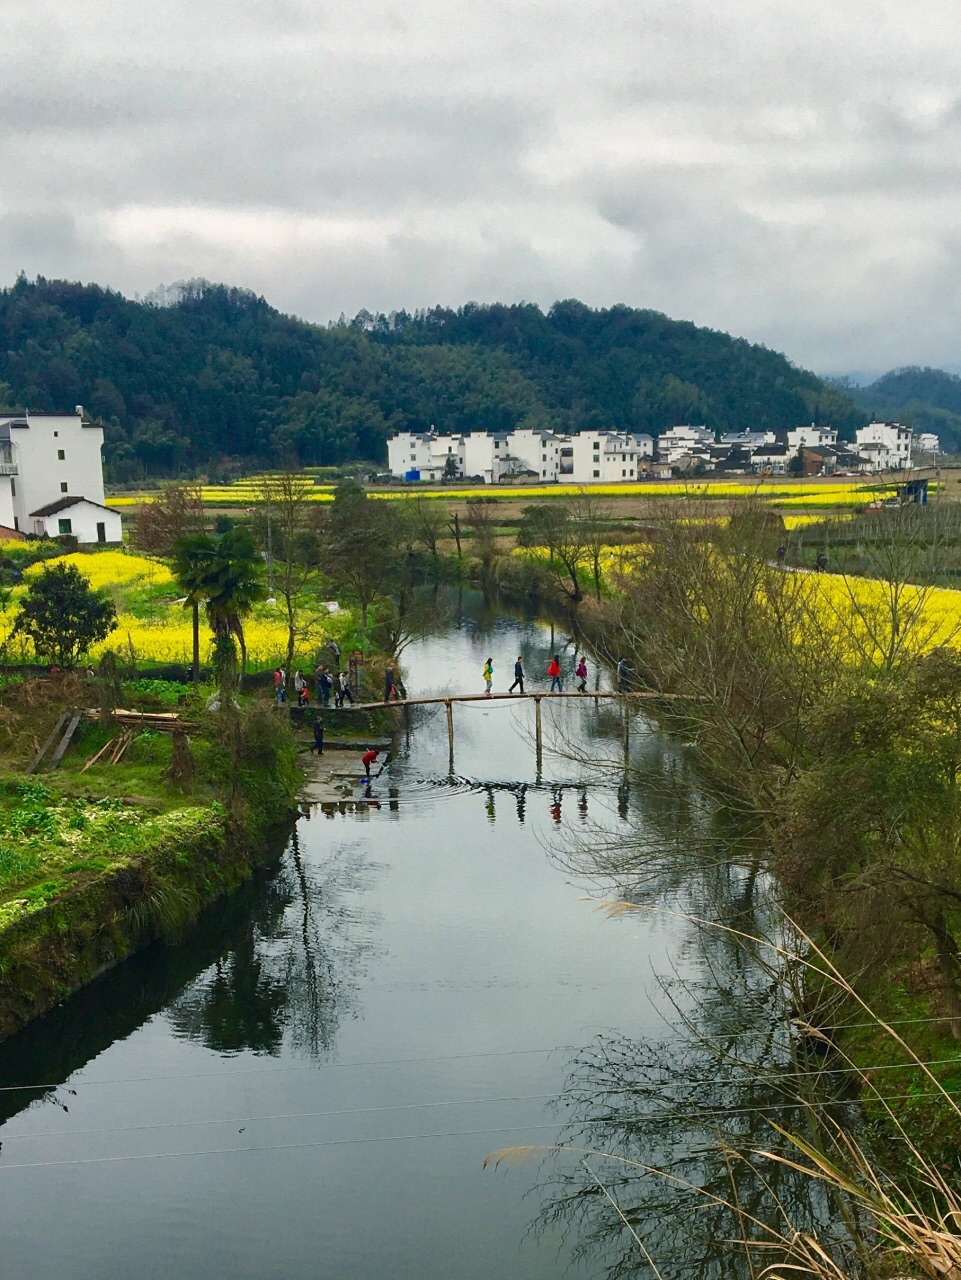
(309, 1083)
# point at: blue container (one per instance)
(411, 475)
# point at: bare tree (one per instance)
(177, 512)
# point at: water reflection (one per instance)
(294, 972)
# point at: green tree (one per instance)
(360, 545)
(288, 522)
(561, 529)
(234, 586)
(64, 616)
(192, 559)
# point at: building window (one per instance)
(65, 526)
(597, 475)
(61, 456)
(63, 486)
(13, 487)
(56, 433)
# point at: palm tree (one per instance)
(233, 586)
(222, 573)
(193, 556)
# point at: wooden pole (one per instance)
(627, 736)
(450, 730)
(538, 734)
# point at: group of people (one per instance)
(554, 670)
(329, 684)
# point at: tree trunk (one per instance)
(195, 674)
(949, 966)
(238, 630)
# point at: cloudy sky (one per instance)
(789, 172)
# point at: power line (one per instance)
(295, 1115)
(281, 1146)
(827, 1069)
(278, 1071)
(714, 1115)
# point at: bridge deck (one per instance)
(440, 699)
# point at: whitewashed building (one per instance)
(424, 455)
(87, 521)
(49, 459)
(609, 456)
(683, 442)
(928, 442)
(887, 445)
(811, 437)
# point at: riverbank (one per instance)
(97, 859)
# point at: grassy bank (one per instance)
(97, 860)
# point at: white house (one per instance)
(811, 437)
(607, 456)
(87, 521)
(47, 458)
(928, 442)
(681, 441)
(886, 444)
(426, 453)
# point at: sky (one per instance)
(786, 172)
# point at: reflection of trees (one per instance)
(293, 971)
(672, 1126)
(673, 1129)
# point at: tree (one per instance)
(428, 521)
(177, 513)
(594, 516)
(481, 519)
(289, 521)
(192, 559)
(234, 585)
(64, 616)
(795, 466)
(451, 469)
(558, 527)
(360, 545)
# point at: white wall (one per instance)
(6, 502)
(894, 441)
(43, 476)
(810, 437)
(83, 518)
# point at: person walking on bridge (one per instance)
(580, 671)
(554, 671)
(489, 674)
(518, 675)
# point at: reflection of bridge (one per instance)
(449, 699)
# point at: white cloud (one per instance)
(784, 173)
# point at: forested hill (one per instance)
(929, 399)
(209, 372)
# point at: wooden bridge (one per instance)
(448, 700)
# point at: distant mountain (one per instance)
(207, 372)
(928, 399)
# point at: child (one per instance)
(489, 674)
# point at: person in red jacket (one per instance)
(554, 671)
(367, 759)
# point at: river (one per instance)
(309, 1083)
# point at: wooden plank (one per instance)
(54, 732)
(513, 697)
(107, 746)
(65, 740)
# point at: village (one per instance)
(612, 456)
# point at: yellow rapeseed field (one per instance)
(105, 569)
(249, 492)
